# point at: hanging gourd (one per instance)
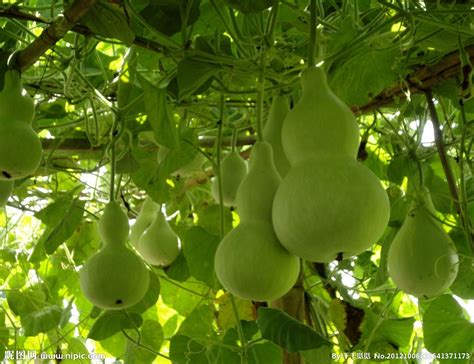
(159, 245)
(115, 277)
(6, 188)
(329, 204)
(422, 258)
(144, 219)
(250, 262)
(20, 147)
(233, 169)
(272, 133)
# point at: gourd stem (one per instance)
(114, 134)
(218, 166)
(260, 94)
(234, 139)
(313, 23)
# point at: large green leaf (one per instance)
(151, 336)
(159, 115)
(61, 217)
(250, 6)
(199, 323)
(287, 332)
(185, 350)
(446, 327)
(150, 298)
(43, 320)
(199, 248)
(111, 322)
(192, 74)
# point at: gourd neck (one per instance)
(261, 156)
(12, 82)
(314, 83)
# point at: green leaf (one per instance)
(43, 320)
(23, 303)
(446, 329)
(184, 349)
(178, 270)
(111, 322)
(182, 300)
(165, 15)
(109, 20)
(199, 248)
(250, 6)
(193, 74)
(287, 332)
(199, 323)
(151, 335)
(159, 115)
(62, 217)
(365, 75)
(150, 298)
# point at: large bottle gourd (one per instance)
(144, 219)
(159, 244)
(272, 133)
(115, 277)
(328, 204)
(233, 170)
(6, 188)
(20, 147)
(250, 262)
(422, 259)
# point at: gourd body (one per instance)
(115, 277)
(20, 147)
(233, 171)
(422, 259)
(250, 261)
(328, 203)
(144, 219)
(252, 264)
(272, 133)
(159, 244)
(6, 188)
(325, 207)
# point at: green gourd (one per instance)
(272, 133)
(422, 259)
(20, 147)
(115, 277)
(250, 261)
(159, 244)
(6, 188)
(256, 191)
(144, 220)
(233, 171)
(328, 204)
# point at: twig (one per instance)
(54, 32)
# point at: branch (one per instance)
(54, 32)
(421, 79)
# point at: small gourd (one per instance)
(159, 244)
(144, 220)
(233, 171)
(6, 188)
(20, 147)
(328, 205)
(250, 262)
(272, 133)
(422, 258)
(115, 277)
